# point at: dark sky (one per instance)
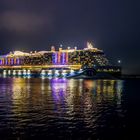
(113, 25)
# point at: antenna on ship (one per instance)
(89, 45)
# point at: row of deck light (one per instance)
(15, 72)
(56, 72)
(43, 72)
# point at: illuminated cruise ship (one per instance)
(88, 62)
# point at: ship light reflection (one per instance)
(58, 87)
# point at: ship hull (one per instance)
(102, 72)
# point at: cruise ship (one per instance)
(63, 63)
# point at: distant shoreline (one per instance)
(130, 76)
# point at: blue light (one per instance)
(56, 55)
(54, 58)
(0, 62)
(12, 61)
(17, 61)
(64, 60)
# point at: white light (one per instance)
(72, 71)
(56, 72)
(64, 72)
(24, 72)
(80, 70)
(119, 61)
(19, 72)
(9, 72)
(28, 72)
(43, 72)
(4, 72)
(50, 72)
(14, 72)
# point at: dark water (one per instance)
(38, 108)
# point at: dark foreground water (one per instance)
(35, 108)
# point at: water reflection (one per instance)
(57, 103)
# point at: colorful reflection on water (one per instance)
(70, 108)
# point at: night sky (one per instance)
(113, 25)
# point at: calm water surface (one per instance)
(35, 108)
